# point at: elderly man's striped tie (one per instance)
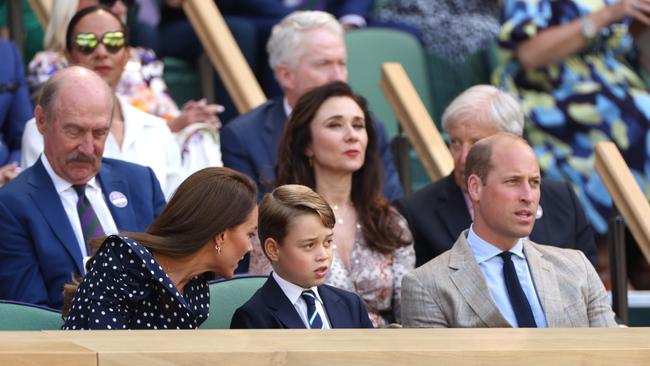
(90, 226)
(315, 322)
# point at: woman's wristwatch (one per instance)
(588, 28)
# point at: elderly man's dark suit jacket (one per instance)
(437, 214)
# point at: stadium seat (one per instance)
(228, 295)
(182, 80)
(448, 80)
(22, 316)
(368, 49)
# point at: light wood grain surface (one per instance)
(626, 193)
(416, 121)
(42, 9)
(621, 346)
(38, 348)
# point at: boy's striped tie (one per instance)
(315, 322)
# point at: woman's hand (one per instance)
(195, 112)
(637, 9)
(561, 41)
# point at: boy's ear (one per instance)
(272, 249)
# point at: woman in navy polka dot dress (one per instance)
(158, 279)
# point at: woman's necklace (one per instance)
(342, 212)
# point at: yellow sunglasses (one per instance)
(87, 42)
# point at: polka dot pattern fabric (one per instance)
(126, 288)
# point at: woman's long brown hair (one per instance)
(380, 229)
(207, 203)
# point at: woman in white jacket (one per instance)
(97, 39)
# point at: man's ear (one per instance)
(272, 249)
(39, 116)
(474, 187)
(285, 76)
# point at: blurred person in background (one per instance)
(15, 110)
(195, 125)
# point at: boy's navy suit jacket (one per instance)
(270, 308)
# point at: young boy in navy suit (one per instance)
(295, 231)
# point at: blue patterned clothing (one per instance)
(591, 96)
(126, 288)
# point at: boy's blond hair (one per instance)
(280, 207)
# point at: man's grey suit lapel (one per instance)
(546, 285)
(469, 280)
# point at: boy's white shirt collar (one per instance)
(293, 291)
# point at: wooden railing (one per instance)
(416, 121)
(42, 9)
(627, 196)
(378, 347)
(224, 53)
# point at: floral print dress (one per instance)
(375, 277)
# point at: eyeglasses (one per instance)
(110, 3)
(87, 42)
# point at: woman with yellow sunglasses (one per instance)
(97, 39)
(195, 125)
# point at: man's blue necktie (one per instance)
(518, 300)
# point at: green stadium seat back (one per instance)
(23, 316)
(182, 80)
(228, 295)
(368, 49)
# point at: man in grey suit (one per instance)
(494, 276)
(439, 212)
